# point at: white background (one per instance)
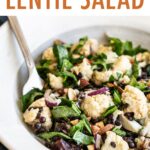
(76, 10)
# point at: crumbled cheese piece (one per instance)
(120, 144)
(55, 82)
(94, 106)
(136, 100)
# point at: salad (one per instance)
(96, 96)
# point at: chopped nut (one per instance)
(106, 128)
(110, 85)
(59, 42)
(88, 118)
(95, 129)
(65, 90)
(74, 122)
(83, 83)
(90, 147)
(148, 96)
(100, 124)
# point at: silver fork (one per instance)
(34, 80)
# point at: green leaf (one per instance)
(66, 65)
(30, 97)
(140, 85)
(64, 112)
(86, 123)
(116, 44)
(78, 127)
(82, 41)
(77, 60)
(43, 68)
(116, 97)
(124, 48)
(68, 78)
(119, 132)
(49, 135)
(111, 78)
(75, 108)
(70, 103)
(60, 53)
(81, 138)
(135, 69)
(109, 111)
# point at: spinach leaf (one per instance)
(119, 132)
(77, 127)
(70, 103)
(124, 48)
(116, 97)
(30, 97)
(86, 123)
(77, 60)
(100, 61)
(43, 68)
(64, 112)
(116, 44)
(60, 53)
(109, 111)
(68, 78)
(140, 85)
(83, 123)
(82, 41)
(49, 135)
(135, 69)
(112, 78)
(81, 138)
(66, 65)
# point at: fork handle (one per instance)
(22, 42)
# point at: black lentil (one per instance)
(113, 144)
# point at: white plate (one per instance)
(13, 74)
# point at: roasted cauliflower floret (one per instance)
(143, 58)
(38, 112)
(114, 142)
(55, 82)
(49, 55)
(84, 68)
(101, 77)
(94, 106)
(122, 64)
(136, 100)
(90, 46)
(146, 129)
(111, 56)
(143, 143)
